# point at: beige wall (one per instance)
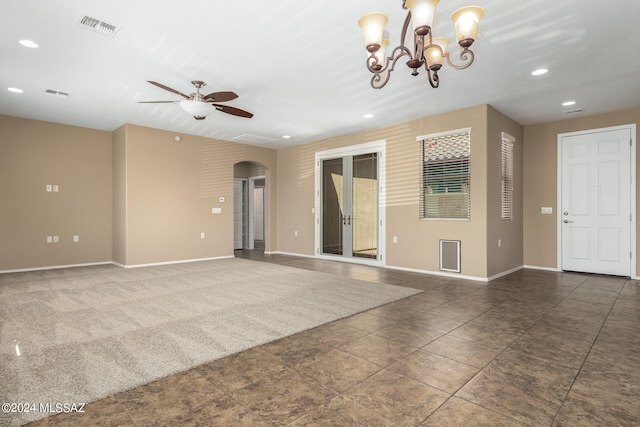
(418, 241)
(137, 196)
(119, 196)
(78, 160)
(540, 183)
(171, 188)
(509, 254)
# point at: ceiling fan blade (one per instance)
(160, 85)
(158, 102)
(233, 111)
(220, 96)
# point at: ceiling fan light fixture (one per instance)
(197, 109)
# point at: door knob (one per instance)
(566, 221)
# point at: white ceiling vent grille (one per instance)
(253, 139)
(56, 93)
(574, 112)
(96, 25)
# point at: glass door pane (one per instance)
(364, 212)
(332, 206)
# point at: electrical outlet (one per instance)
(395, 239)
(49, 239)
(76, 238)
(202, 235)
(56, 239)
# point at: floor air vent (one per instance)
(450, 255)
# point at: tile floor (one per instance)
(534, 348)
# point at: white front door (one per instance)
(595, 209)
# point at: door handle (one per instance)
(566, 221)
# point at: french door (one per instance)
(349, 219)
(350, 206)
(595, 209)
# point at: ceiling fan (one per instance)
(199, 105)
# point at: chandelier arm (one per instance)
(377, 78)
(434, 80)
(466, 56)
(405, 27)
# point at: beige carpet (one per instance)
(80, 334)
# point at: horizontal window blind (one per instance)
(506, 198)
(446, 178)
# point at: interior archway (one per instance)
(251, 206)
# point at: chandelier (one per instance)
(427, 50)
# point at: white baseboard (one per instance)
(413, 270)
(536, 267)
(182, 261)
(55, 267)
(439, 273)
(504, 273)
(289, 254)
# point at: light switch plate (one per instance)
(546, 211)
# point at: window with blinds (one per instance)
(445, 191)
(507, 177)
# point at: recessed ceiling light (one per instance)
(539, 72)
(29, 43)
(568, 103)
(14, 90)
(286, 136)
(368, 116)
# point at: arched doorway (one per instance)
(250, 222)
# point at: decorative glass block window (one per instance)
(506, 190)
(445, 187)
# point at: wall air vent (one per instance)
(56, 93)
(574, 111)
(96, 25)
(450, 255)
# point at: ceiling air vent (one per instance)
(56, 93)
(574, 112)
(253, 139)
(100, 27)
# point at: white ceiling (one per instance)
(299, 67)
